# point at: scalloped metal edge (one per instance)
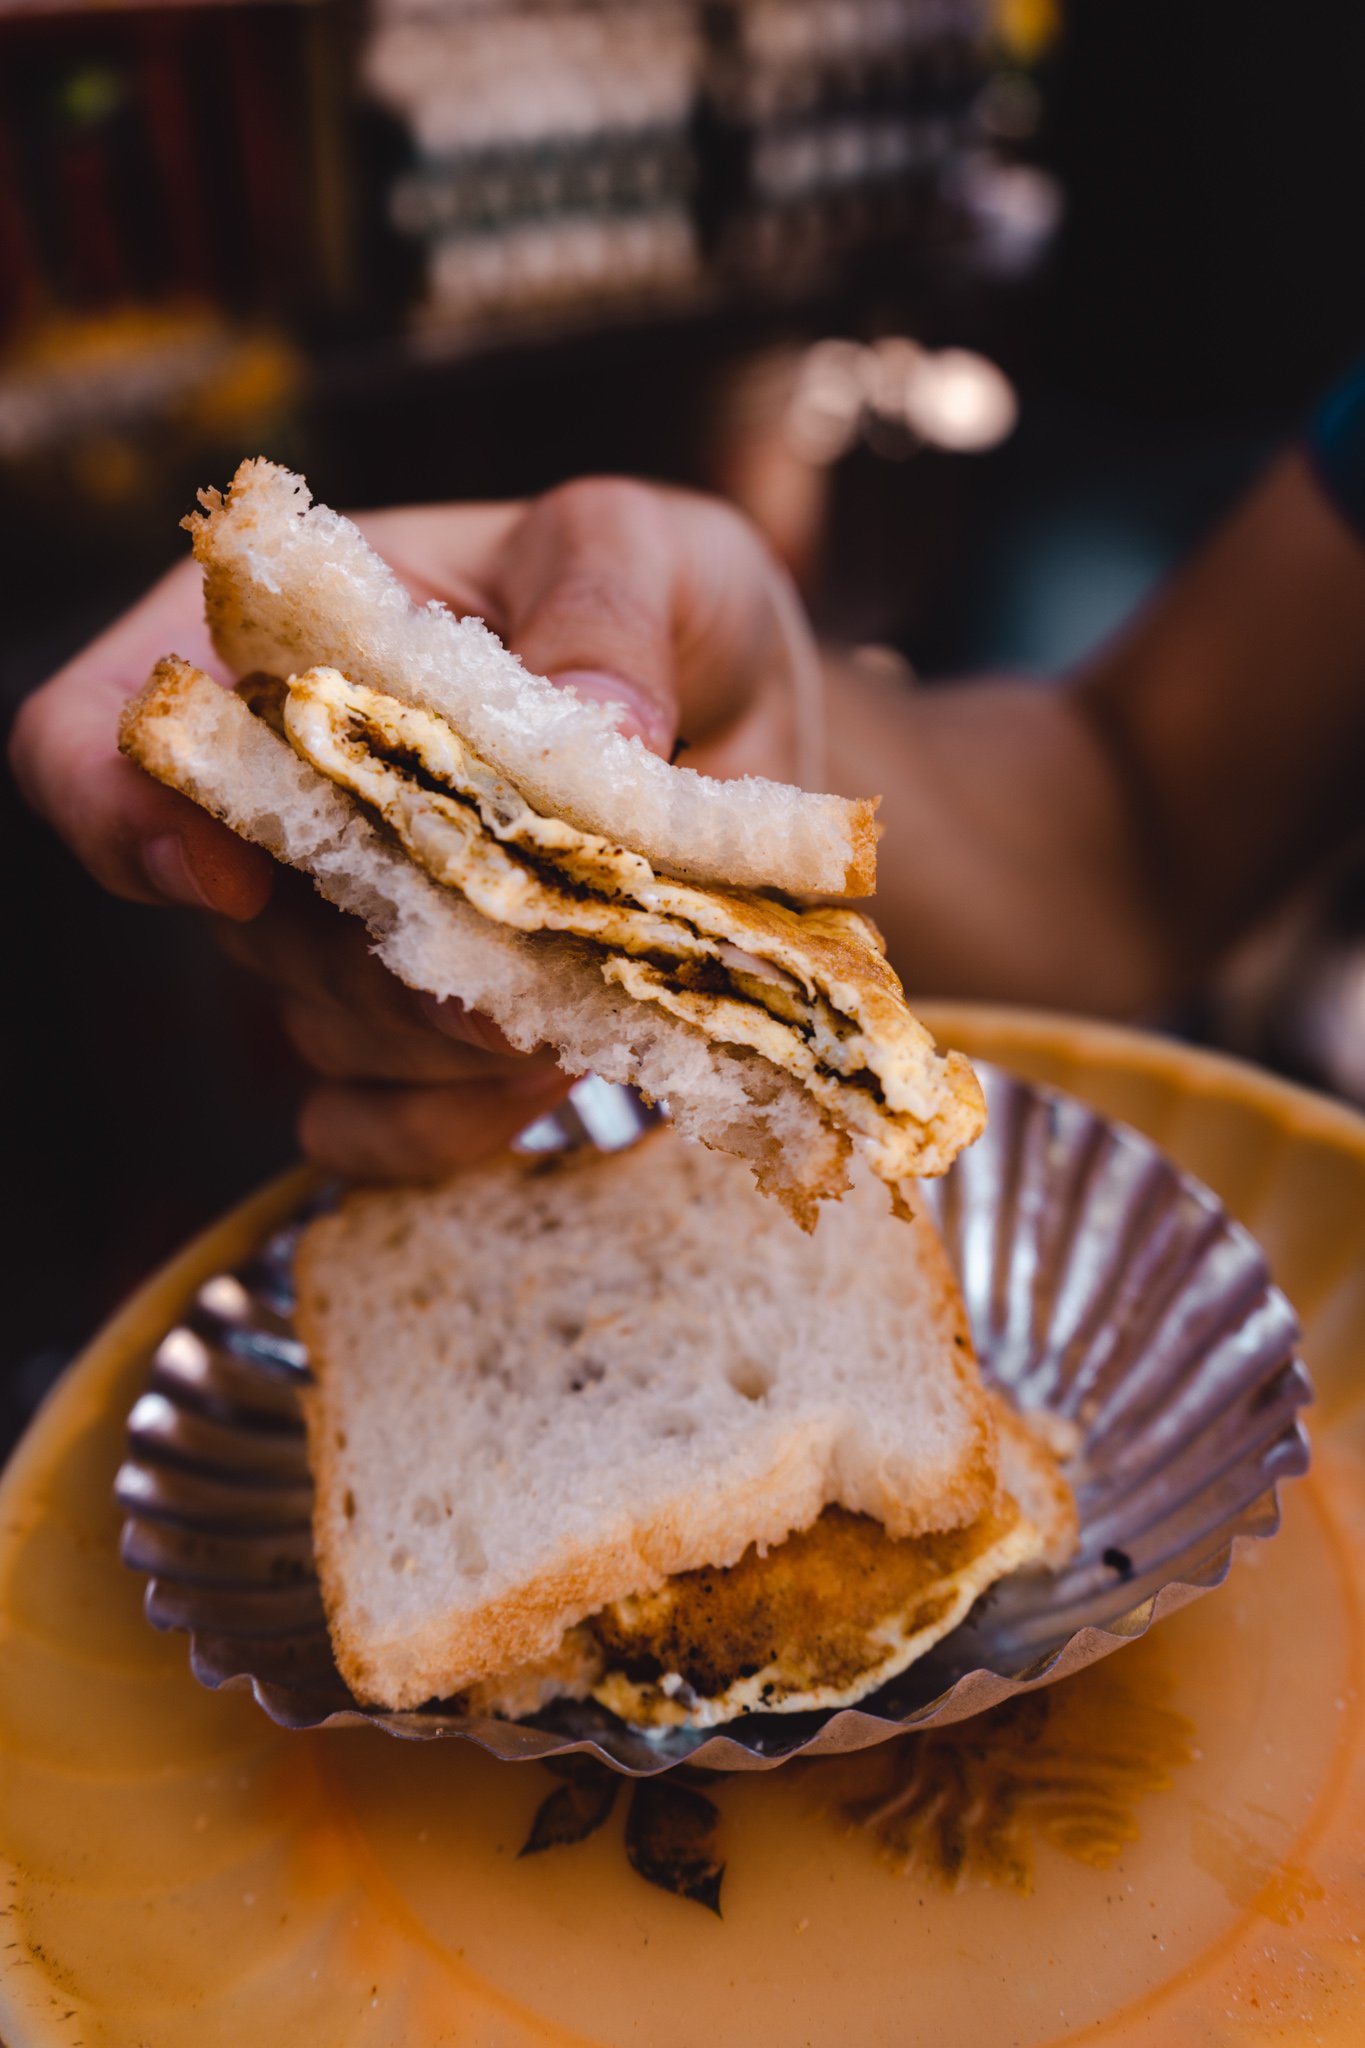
(838, 1731)
(522, 1742)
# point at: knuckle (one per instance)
(592, 592)
(734, 528)
(426, 1128)
(317, 1039)
(593, 499)
(317, 1131)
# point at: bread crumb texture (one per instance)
(289, 585)
(546, 1387)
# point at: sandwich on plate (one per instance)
(507, 846)
(606, 1426)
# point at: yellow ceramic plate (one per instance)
(1168, 1849)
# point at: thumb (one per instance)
(585, 585)
(136, 838)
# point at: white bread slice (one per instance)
(201, 739)
(289, 585)
(544, 1388)
(816, 1622)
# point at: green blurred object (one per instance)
(91, 95)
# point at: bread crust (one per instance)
(860, 877)
(201, 739)
(290, 585)
(462, 1644)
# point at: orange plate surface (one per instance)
(1168, 1850)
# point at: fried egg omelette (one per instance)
(507, 847)
(608, 1427)
(808, 989)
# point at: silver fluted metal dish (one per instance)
(1104, 1287)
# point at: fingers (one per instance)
(653, 601)
(659, 602)
(136, 838)
(443, 552)
(450, 1015)
(308, 950)
(411, 1086)
(342, 1045)
(321, 962)
(420, 1133)
(585, 583)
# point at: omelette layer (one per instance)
(820, 1621)
(808, 989)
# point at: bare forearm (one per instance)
(1097, 844)
(1007, 869)
(1234, 710)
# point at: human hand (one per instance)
(663, 604)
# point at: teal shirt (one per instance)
(1336, 446)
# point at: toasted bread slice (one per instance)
(290, 585)
(202, 740)
(763, 1086)
(809, 988)
(544, 1388)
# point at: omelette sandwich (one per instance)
(608, 1427)
(506, 845)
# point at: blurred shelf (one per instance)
(30, 10)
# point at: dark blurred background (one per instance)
(983, 309)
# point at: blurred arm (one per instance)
(1095, 845)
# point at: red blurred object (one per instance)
(162, 153)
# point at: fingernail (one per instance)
(450, 1016)
(539, 1074)
(637, 713)
(170, 874)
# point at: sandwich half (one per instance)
(506, 845)
(608, 1426)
